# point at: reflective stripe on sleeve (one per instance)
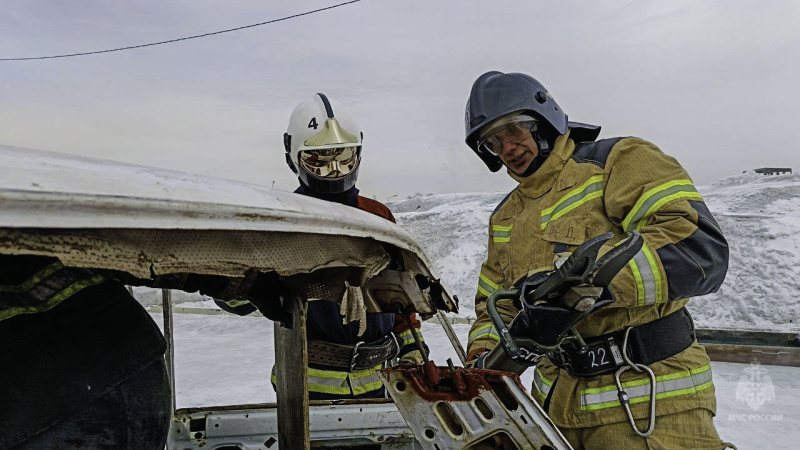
(487, 286)
(591, 189)
(647, 277)
(541, 383)
(671, 385)
(37, 278)
(652, 200)
(485, 332)
(407, 338)
(46, 290)
(501, 233)
(235, 303)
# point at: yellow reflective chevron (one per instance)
(487, 286)
(591, 189)
(652, 200)
(502, 233)
(672, 385)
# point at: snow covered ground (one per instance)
(760, 216)
(226, 360)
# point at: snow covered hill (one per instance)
(760, 216)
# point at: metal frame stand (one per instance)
(291, 370)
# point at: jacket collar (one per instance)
(348, 197)
(541, 181)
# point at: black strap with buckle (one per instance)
(647, 343)
(352, 357)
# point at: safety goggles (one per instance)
(330, 162)
(511, 129)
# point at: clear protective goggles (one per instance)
(330, 162)
(513, 129)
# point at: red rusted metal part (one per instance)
(433, 383)
(449, 407)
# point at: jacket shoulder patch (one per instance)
(375, 207)
(595, 152)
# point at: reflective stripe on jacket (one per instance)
(47, 283)
(614, 185)
(345, 384)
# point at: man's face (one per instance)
(516, 147)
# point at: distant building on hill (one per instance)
(774, 170)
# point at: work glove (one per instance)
(478, 362)
(412, 357)
(546, 322)
(240, 307)
(265, 294)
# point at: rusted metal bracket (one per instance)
(449, 407)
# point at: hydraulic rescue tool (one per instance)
(551, 304)
(487, 407)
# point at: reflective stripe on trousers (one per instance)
(341, 383)
(670, 385)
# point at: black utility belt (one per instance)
(647, 343)
(352, 357)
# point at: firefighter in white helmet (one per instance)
(323, 148)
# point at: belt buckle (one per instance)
(615, 351)
(355, 355)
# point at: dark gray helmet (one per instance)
(495, 94)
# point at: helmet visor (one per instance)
(330, 162)
(512, 129)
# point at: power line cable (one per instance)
(183, 38)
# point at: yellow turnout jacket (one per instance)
(613, 185)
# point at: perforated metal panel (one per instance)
(141, 252)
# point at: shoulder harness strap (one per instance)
(595, 152)
(375, 207)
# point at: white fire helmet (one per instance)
(323, 145)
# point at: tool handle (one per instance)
(498, 359)
(505, 337)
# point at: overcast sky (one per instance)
(713, 83)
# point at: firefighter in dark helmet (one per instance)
(573, 187)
